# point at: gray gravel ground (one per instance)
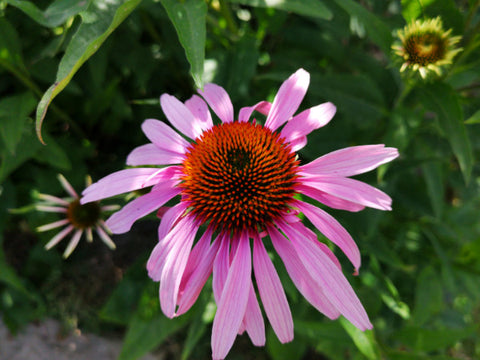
(44, 342)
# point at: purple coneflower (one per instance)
(78, 218)
(236, 183)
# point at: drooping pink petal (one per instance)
(300, 276)
(271, 292)
(66, 185)
(72, 244)
(233, 301)
(180, 116)
(104, 236)
(53, 225)
(351, 190)
(60, 236)
(175, 264)
(219, 101)
(288, 99)
(198, 274)
(150, 154)
(127, 180)
(121, 221)
(307, 121)
(170, 217)
(53, 199)
(164, 137)
(221, 265)
(332, 281)
(199, 110)
(262, 107)
(327, 199)
(253, 319)
(350, 161)
(332, 230)
(48, 208)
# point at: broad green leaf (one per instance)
(376, 29)
(432, 173)
(312, 8)
(444, 101)
(56, 14)
(53, 155)
(413, 9)
(189, 19)
(100, 19)
(474, 119)
(364, 340)
(14, 111)
(278, 351)
(428, 296)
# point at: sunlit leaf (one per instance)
(189, 19)
(413, 9)
(311, 8)
(364, 340)
(98, 22)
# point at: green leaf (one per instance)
(413, 9)
(100, 19)
(10, 47)
(364, 340)
(312, 8)
(444, 101)
(14, 112)
(474, 119)
(376, 29)
(189, 19)
(53, 155)
(433, 176)
(428, 296)
(56, 14)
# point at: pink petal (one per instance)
(307, 121)
(219, 101)
(233, 301)
(262, 107)
(170, 218)
(350, 161)
(288, 99)
(221, 265)
(351, 190)
(272, 294)
(200, 112)
(66, 185)
(332, 281)
(175, 264)
(332, 230)
(53, 225)
(150, 154)
(299, 275)
(60, 236)
(253, 319)
(180, 116)
(327, 199)
(121, 221)
(164, 136)
(125, 181)
(72, 244)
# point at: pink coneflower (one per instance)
(236, 183)
(78, 218)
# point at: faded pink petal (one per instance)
(272, 294)
(305, 122)
(200, 112)
(327, 199)
(233, 301)
(332, 281)
(300, 276)
(175, 264)
(332, 230)
(351, 190)
(253, 319)
(60, 236)
(219, 101)
(121, 221)
(150, 154)
(72, 244)
(180, 116)
(288, 99)
(350, 161)
(262, 107)
(164, 137)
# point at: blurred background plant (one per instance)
(82, 75)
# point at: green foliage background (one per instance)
(82, 75)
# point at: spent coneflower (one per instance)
(236, 184)
(79, 218)
(425, 47)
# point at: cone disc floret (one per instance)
(83, 216)
(238, 176)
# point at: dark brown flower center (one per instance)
(424, 49)
(83, 216)
(239, 176)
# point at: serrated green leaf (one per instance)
(14, 111)
(444, 101)
(189, 19)
(363, 340)
(376, 29)
(312, 8)
(100, 19)
(56, 14)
